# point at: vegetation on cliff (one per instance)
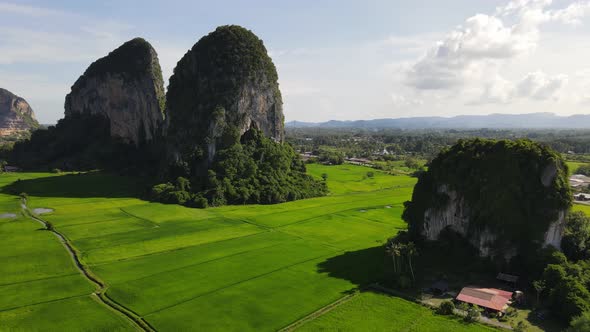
(254, 170)
(226, 127)
(80, 142)
(514, 189)
(205, 89)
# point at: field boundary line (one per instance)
(323, 215)
(39, 279)
(320, 312)
(131, 241)
(170, 250)
(89, 223)
(101, 287)
(45, 302)
(234, 284)
(200, 263)
(151, 222)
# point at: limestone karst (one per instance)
(503, 196)
(226, 82)
(16, 115)
(126, 87)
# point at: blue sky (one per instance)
(336, 59)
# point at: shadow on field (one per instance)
(360, 267)
(83, 185)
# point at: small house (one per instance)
(492, 299)
(509, 278)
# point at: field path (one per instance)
(101, 287)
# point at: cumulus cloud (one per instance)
(536, 85)
(467, 52)
(497, 91)
(540, 86)
(472, 55)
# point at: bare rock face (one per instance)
(225, 85)
(455, 215)
(127, 88)
(16, 115)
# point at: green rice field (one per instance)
(233, 268)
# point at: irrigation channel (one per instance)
(101, 287)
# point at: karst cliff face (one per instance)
(224, 86)
(502, 196)
(127, 88)
(16, 115)
(455, 215)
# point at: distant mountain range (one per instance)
(499, 121)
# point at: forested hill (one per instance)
(532, 120)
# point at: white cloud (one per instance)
(474, 56)
(540, 86)
(32, 11)
(536, 85)
(498, 90)
(401, 101)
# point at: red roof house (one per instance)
(491, 298)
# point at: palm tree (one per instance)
(394, 250)
(411, 250)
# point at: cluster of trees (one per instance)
(177, 192)
(576, 239)
(583, 169)
(564, 287)
(256, 170)
(82, 142)
(402, 252)
(328, 156)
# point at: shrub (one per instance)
(583, 169)
(200, 202)
(473, 314)
(446, 308)
(520, 327)
(511, 312)
(576, 239)
(178, 197)
(580, 323)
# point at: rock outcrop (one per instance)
(126, 87)
(502, 196)
(455, 215)
(225, 83)
(16, 115)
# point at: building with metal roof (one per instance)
(490, 298)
